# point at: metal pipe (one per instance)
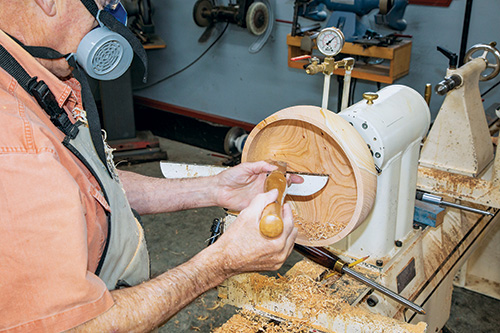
(437, 200)
(346, 90)
(363, 279)
(470, 209)
(295, 18)
(465, 32)
(326, 91)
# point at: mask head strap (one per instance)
(41, 52)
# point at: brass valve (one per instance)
(329, 65)
(315, 67)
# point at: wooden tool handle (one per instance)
(271, 222)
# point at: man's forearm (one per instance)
(240, 249)
(149, 305)
(150, 195)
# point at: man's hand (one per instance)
(237, 186)
(240, 249)
(244, 246)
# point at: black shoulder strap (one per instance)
(40, 91)
(45, 98)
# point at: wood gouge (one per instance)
(271, 224)
(325, 258)
(312, 182)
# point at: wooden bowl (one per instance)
(314, 140)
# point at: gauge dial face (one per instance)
(330, 41)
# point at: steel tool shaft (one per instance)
(327, 259)
(437, 200)
(312, 184)
(401, 300)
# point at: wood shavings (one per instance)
(239, 323)
(305, 267)
(249, 322)
(309, 296)
(202, 318)
(317, 230)
(303, 302)
(217, 304)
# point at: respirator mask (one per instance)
(105, 54)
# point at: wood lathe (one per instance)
(377, 154)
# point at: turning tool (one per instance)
(271, 223)
(327, 259)
(312, 184)
(437, 200)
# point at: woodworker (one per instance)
(72, 255)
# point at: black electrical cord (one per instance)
(186, 67)
(353, 91)
(490, 89)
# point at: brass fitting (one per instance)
(329, 65)
(428, 93)
(315, 67)
(339, 265)
(370, 97)
(346, 63)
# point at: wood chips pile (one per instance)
(317, 230)
(298, 290)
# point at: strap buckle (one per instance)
(47, 101)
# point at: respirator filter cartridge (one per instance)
(104, 54)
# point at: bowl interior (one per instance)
(309, 148)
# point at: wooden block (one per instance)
(372, 51)
(428, 214)
(400, 65)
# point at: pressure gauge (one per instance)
(330, 41)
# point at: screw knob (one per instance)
(370, 97)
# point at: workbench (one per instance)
(396, 58)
